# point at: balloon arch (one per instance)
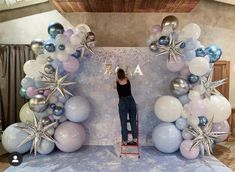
(194, 118)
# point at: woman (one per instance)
(126, 106)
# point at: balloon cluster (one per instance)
(50, 117)
(195, 116)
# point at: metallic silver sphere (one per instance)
(49, 69)
(179, 86)
(38, 103)
(170, 20)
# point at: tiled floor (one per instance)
(225, 152)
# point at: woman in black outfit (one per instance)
(126, 106)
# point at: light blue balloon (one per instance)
(181, 123)
(166, 137)
(27, 82)
(46, 147)
(77, 109)
(184, 99)
(191, 44)
(189, 55)
(12, 137)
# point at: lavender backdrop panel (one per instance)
(103, 126)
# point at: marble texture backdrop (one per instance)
(103, 125)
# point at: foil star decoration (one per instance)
(86, 45)
(36, 132)
(204, 137)
(172, 49)
(210, 86)
(56, 84)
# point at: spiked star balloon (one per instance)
(210, 86)
(36, 132)
(86, 45)
(203, 136)
(172, 49)
(56, 84)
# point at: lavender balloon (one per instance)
(221, 127)
(187, 152)
(70, 136)
(77, 109)
(71, 65)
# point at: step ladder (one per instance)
(131, 149)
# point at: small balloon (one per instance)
(200, 52)
(202, 121)
(49, 69)
(22, 92)
(214, 53)
(164, 40)
(49, 47)
(153, 46)
(183, 45)
(77, 54)
(90, 37)
(37, 46)
(156, 28)
(58, 110)
(179, 86)
(192, 79)
(49, 59)
(54, 29)
(61, 47)
(170, 20)
(38, 103)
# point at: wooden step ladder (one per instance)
(125, 149)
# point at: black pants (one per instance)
(126, 106)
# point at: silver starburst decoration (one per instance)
(204, 137)
(210, 86)
(36, 131)
(172, 49)
(56, 84)
(86, 45)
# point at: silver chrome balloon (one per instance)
(49, 69)
(38, 103)
(37, 46)
(179, 86)
(170, 20)
(153, 46)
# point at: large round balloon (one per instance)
(166, 137)
(168, 108)
(77, 109)
(170, 21)
(220, 108)
(37, 46)
(38, 103)
(69, 136)
(32, 68)
(199, 107)
(199, 66)
(187, 152)
(54, 29)
(26, 114)
(179, 86)
(221, 127)
(46, 147)
(27, 82)
(12, 137)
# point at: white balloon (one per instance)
(83, 28)
(26, 114)
(199, 66)
(193, 95)
(62, 56)
(186, 135)
(191, 30)
(60, 39)
(33, 69)
(168, 108)
(220, 108)
(76, 39)
(41, 59)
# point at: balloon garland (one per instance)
(195, 117)
(50, 117)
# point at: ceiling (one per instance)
(124, 5)
(13, 4)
